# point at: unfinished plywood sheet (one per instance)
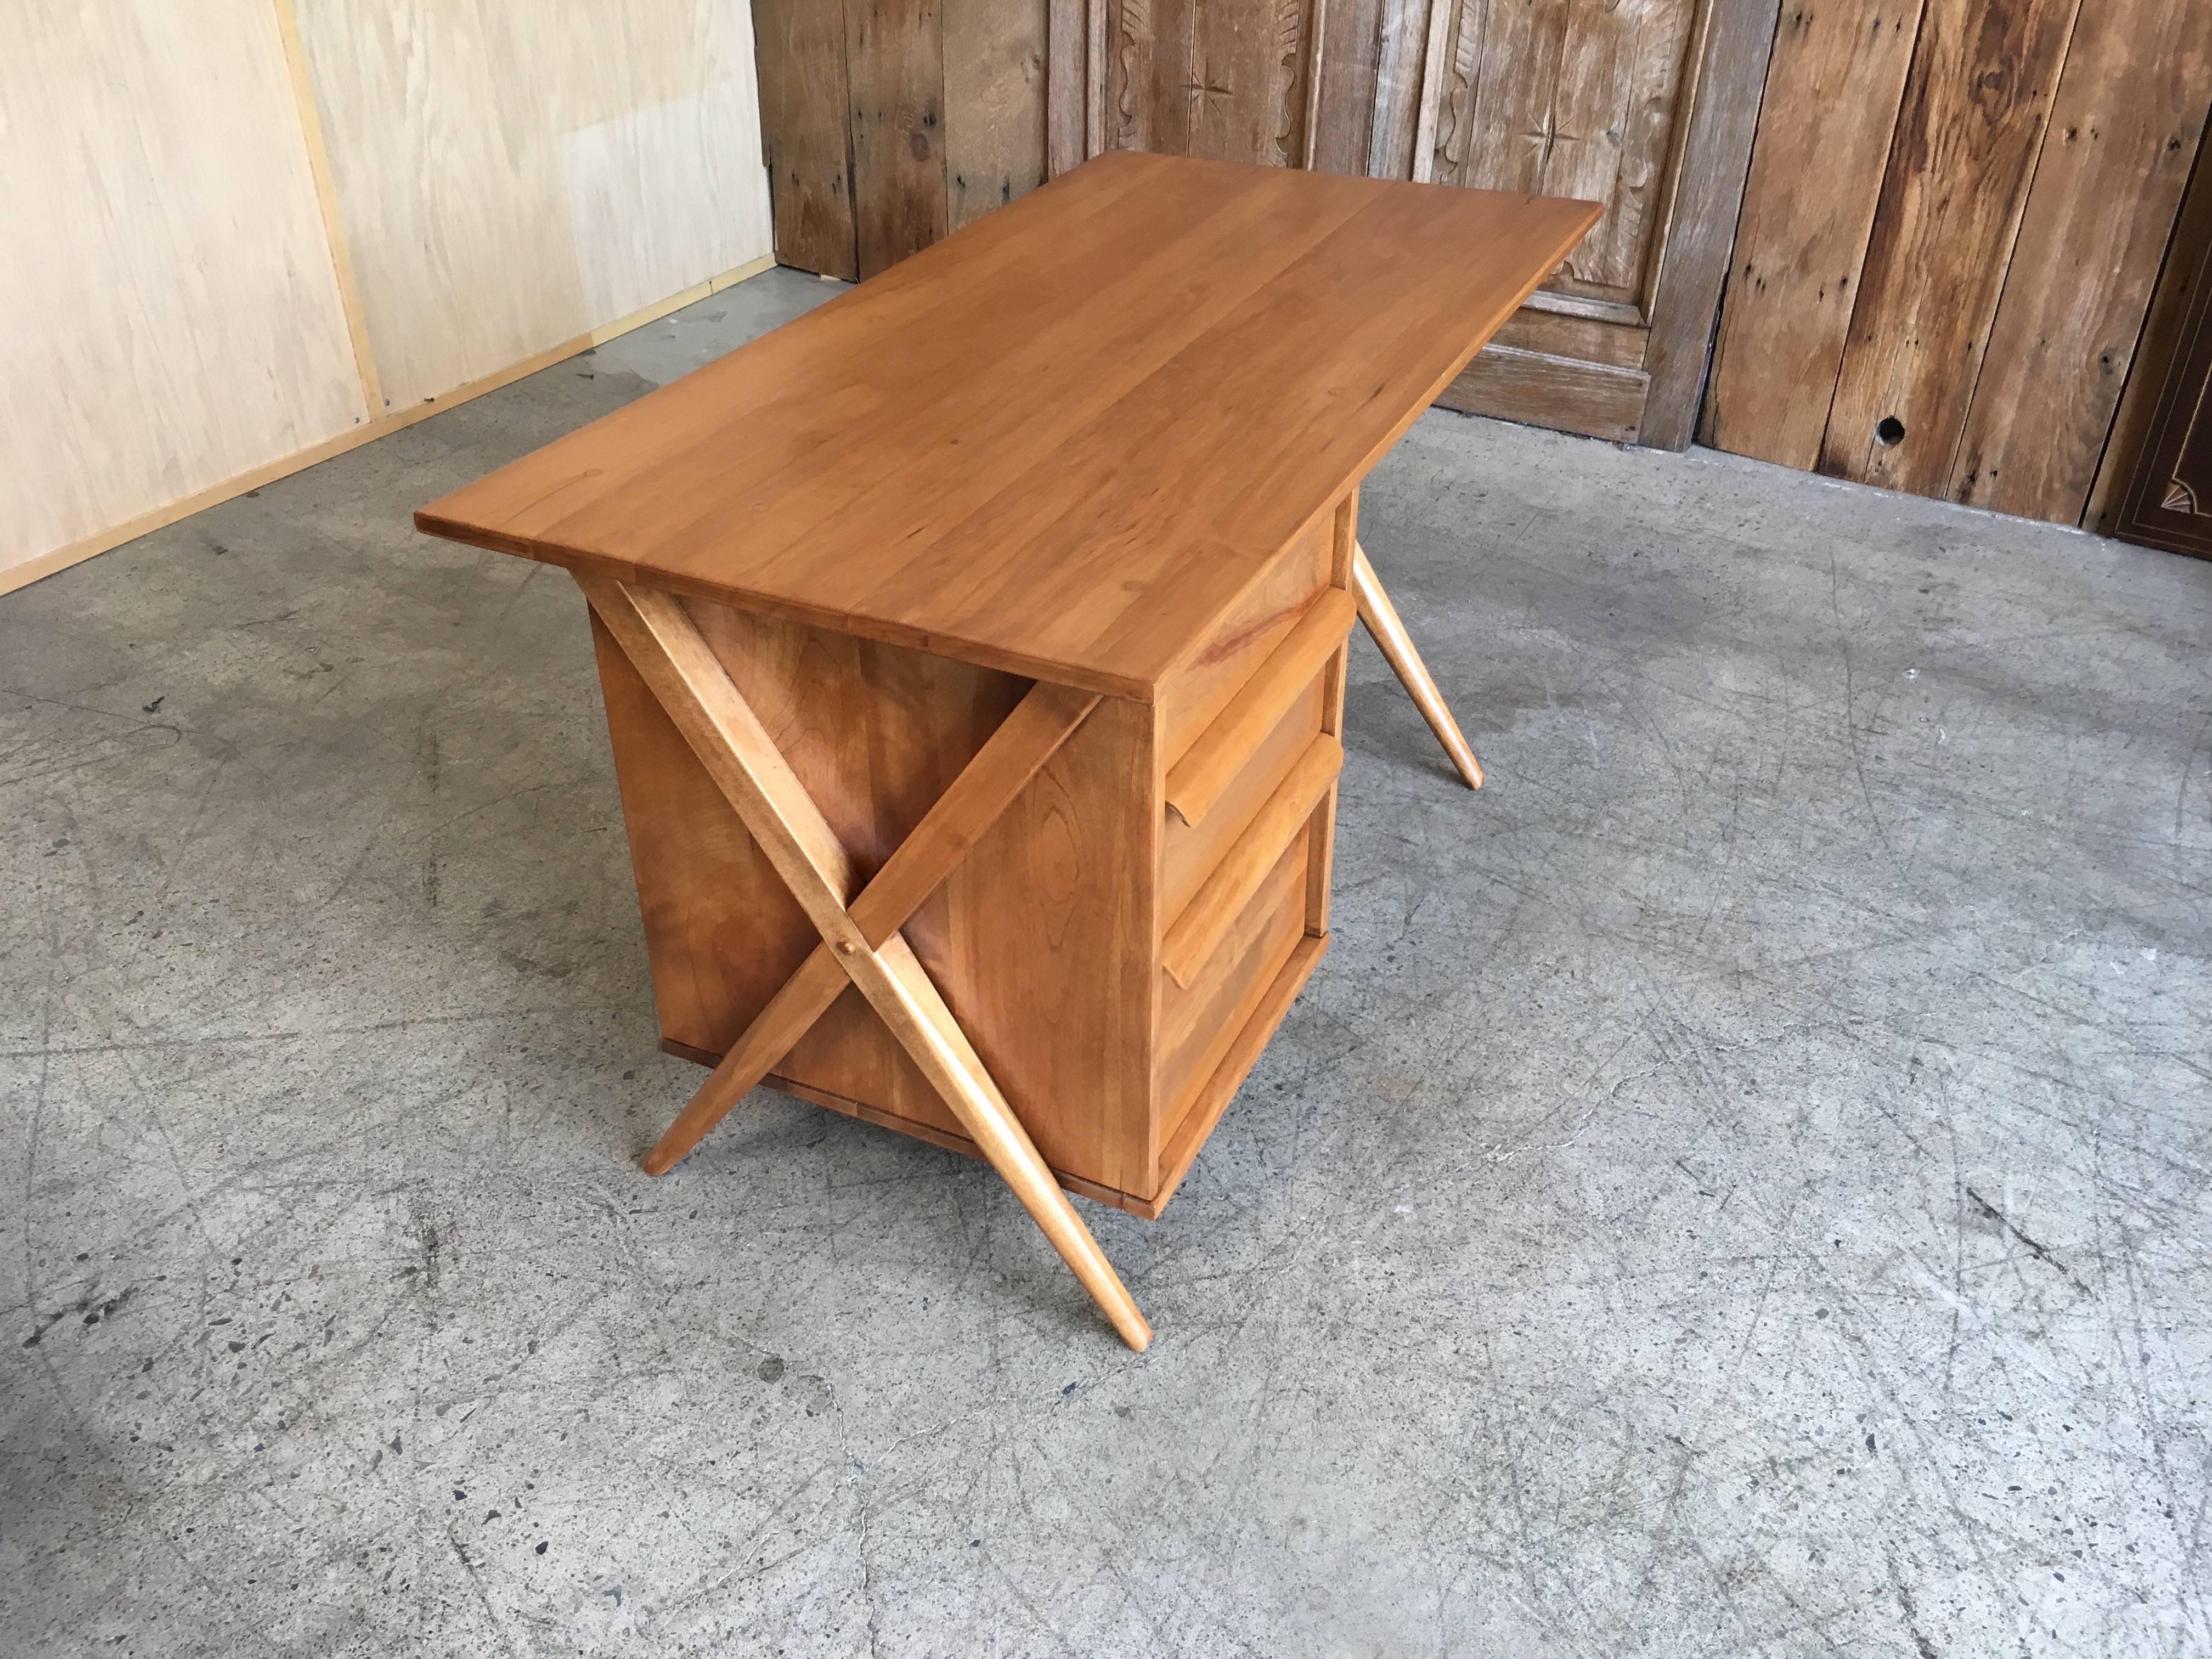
(177, 318)
(507, 184)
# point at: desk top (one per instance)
(1062, 442)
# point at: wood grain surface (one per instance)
(1975, 103)
(1540, 389)
(805, 143)
(2129, 487)
(1570, 100)
(1064, 442)
(2130, 110)
(894, 57)
(994, 105)
(508, 183)
(175, 317)
(1840, 72)
(1040, 939)
(751, 769)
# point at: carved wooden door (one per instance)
(1644, 105)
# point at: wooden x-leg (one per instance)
(1390, 632)
(861, 944)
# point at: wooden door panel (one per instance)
(946, 108)
(1224, 79)
(1367, 106)
(1579, 98)
(1569, 98)
(1966, 148)
(2156, 484)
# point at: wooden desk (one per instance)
(973, 653)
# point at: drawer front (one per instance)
(1199, 1022)
(1189, 853)
(1197, 693)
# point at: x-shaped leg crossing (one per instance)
(860, 939)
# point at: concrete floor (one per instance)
(1738, 1185)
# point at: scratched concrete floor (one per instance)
(1738, 1185)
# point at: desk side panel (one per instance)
(1040, 941)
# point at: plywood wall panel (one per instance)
(1836, 78)
(2131, 109)
(510, 179)
(1972, 122)
(175, 316)
(994, 104)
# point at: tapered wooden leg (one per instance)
(790, 1014)
(1382, 621)
(899, 990)
(665, 648)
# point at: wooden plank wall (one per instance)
(1646, 106)
(890, 123)
(1954, 310)
(1955, 213)
(241, 244)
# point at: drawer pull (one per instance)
(1196, 781)
(1244, 867)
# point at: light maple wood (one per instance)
(1398, 649)
(1061, 444)
(1208, 767)
(1052, 909)
(1217, 902)
(509, 180)
(175, 317)
(1204, 1110)
(688, 680)
(1321, 831)
(1200, 1022)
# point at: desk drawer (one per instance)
(1211, 678)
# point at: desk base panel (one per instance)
(1205, 1110)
